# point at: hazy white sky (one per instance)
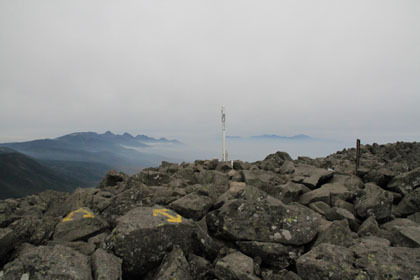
(330, 69)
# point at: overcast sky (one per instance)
(330, 69)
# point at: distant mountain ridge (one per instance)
(87, 156)
(273, 137)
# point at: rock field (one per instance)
(274, 219)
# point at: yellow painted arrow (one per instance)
(87, 214)
(171, 219)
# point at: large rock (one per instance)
(34, 230)
(7, 242)
(235, 266)
(174, 266)
(49, 263)
(374, 201)
(368, 227)
(261, 179)
(200, 268)
(7, 215)
(273, 254)
(152, 178)
(207, 177)
(415, 217)
(406, 236)
(279, 158)
(326, 193)
(80, 224)
(380, 261)
(106, 266)
(143, 236)
(79, 246)
(328, 261)
(265, 220)
(193, 206)
(379, 176)
(311, 176)
(410, 203)
(406, 182)
(337, 233)
(290, 192)
(113, 179)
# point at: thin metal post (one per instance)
(224, 154)
(357, 155)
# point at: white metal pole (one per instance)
(224, 157)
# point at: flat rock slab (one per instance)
(80, 224)
(49, 263)
(144, 235)
(260, 220)
(235, 266)
(311, 176)
(406, 236)
(192, 206)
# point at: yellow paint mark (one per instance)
(171, 219)
(87, 214)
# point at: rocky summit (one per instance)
(273, 219)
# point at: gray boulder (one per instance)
(406, 236)
(112, 179)
(288, 167)
(406, 182)
(49, 263)
(79, 246)
(290, 192)
(7, 242)
(272, 254)
(409, 204)
(106, 266)
(321, 207)
(279, 158)
(200, 268)
(337, 233)
(268, 274)
(265, 220)
(235, 266)
(328, 261)
(379, 176)
(193, 206)
(80, 224)
(207, 177)
(261, 179)
(415, 217)
(326, 193)
(152, 178)
(376, 201)
(368, 227)
(311, 176)
(34, 230)
(144, 235)
(174, 266)
(381, 261)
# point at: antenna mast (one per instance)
(224, 153)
